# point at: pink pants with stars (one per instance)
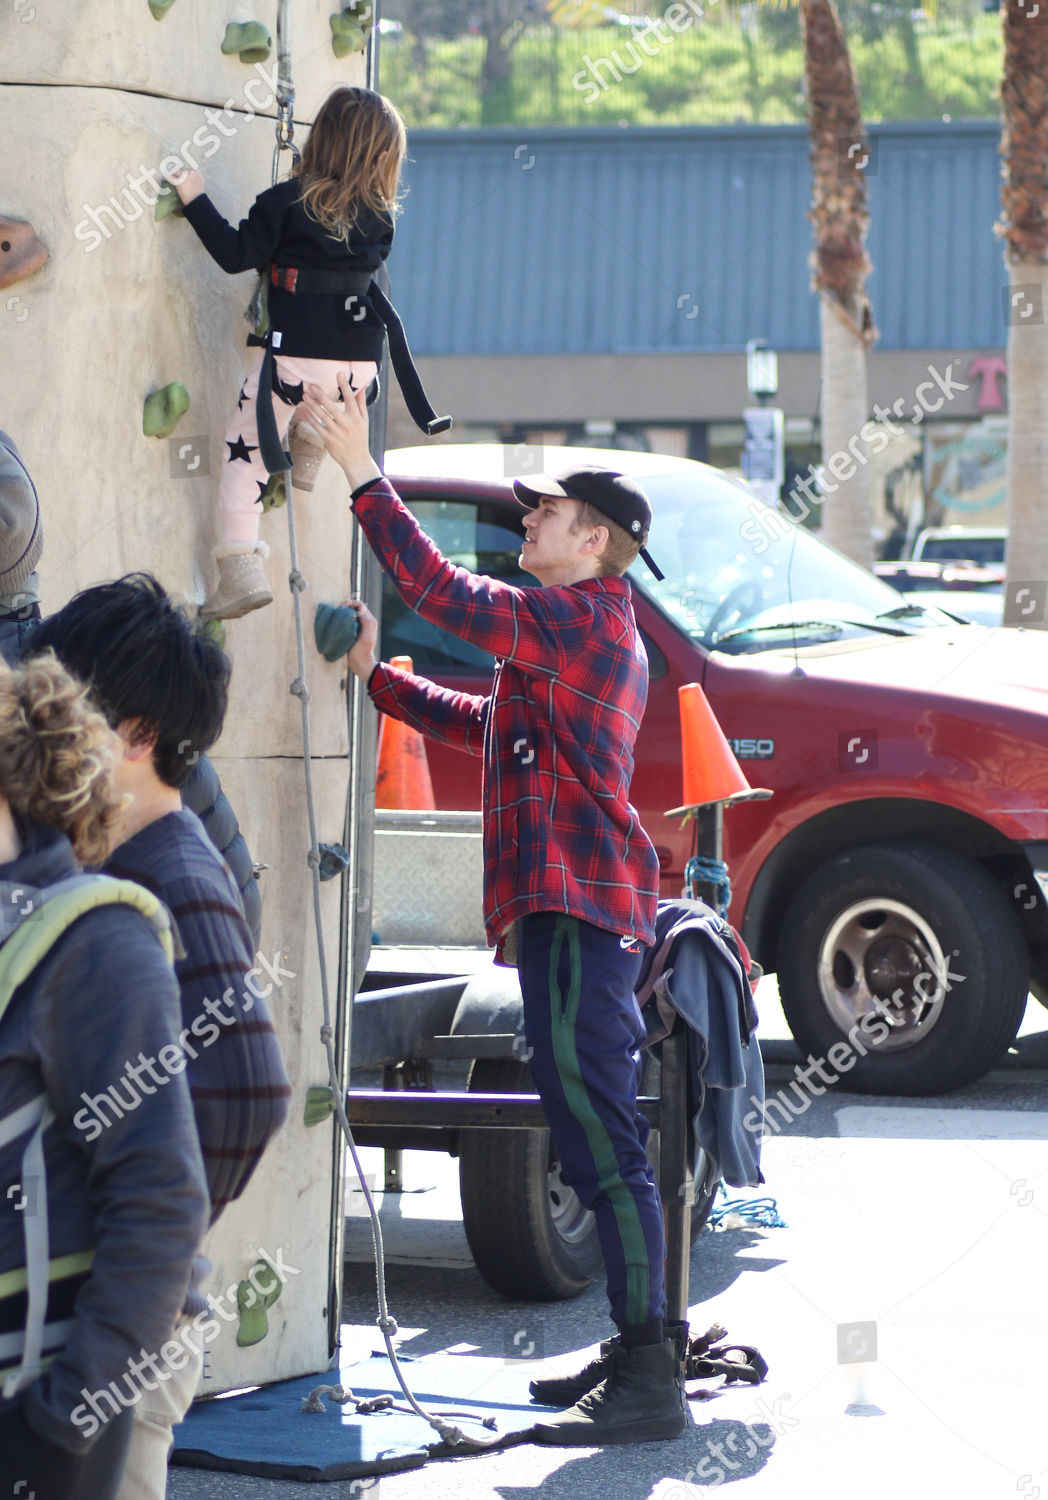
(244, 476)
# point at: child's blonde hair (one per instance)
(57, 755)
(352, 159)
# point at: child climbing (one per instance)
(317, 238)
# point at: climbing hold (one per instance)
(21, 250)
(350, 29)
(158, 9)
(334, 860)
(254, 1298)
(164, 409)
(274, 495)
(167, 202)
(249, 39)
(335, 628)
(320, 1105)
(215, 630)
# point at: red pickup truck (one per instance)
(897, 879)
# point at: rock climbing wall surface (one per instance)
(101, 307)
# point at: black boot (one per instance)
(641, 1401)
(565, 1390)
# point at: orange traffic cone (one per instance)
(711, 772)
(403, 779)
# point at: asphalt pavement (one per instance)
(917, 1231)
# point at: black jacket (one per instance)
(279, 231)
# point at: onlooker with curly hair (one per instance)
(122, 1211)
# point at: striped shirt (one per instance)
(236, 1076)
(556, 733)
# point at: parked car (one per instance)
(966, 591)
(897, 877)
(980, 545)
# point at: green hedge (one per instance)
(709, 75)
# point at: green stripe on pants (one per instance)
(563, 1014)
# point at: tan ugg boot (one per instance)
(307, 454)
(242, 585)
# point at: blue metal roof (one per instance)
(599, 241)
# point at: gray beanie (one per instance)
(21, 531)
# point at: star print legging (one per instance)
(244, 474)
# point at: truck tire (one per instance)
(528, 1233)
(908, 960)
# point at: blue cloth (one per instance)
(695, 971)
(584, 1030)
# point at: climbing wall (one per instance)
(100, 307)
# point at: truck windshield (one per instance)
(741, 576)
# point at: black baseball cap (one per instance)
(616, 496)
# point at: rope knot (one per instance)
(299, 689)
(388, 1325)
(326, 1034)
(296, 581)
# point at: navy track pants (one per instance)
(583, 1029)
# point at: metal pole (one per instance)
(676, 1186)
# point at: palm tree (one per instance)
(1024, 227)
(840, 267)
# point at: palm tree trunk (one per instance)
(840, 267)
(1024, 226)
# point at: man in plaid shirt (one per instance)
(570, 877)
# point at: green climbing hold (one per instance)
(164, 409)
(254, 1298)
(350, 29)
(335, 628)
(249, 39)
(275, 493)
(215, 630)
(334, 860)
(320, 1105)
(158, 9)
(167, 202)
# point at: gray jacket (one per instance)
(133, 1192)
(694, 970)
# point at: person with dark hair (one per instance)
(98, 1230)
(163, 688)
(158, 681)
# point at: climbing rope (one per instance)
(451, 1434)
(761, 1212)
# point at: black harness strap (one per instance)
(307, 280)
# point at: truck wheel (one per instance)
(908, 962)
(530, 1236)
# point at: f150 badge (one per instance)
(753, 749)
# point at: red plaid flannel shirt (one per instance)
(556, 733)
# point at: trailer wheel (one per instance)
(903, 966)
(528, 1233)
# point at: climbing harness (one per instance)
(357, 287)
(45, 917)
(451, 1434)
